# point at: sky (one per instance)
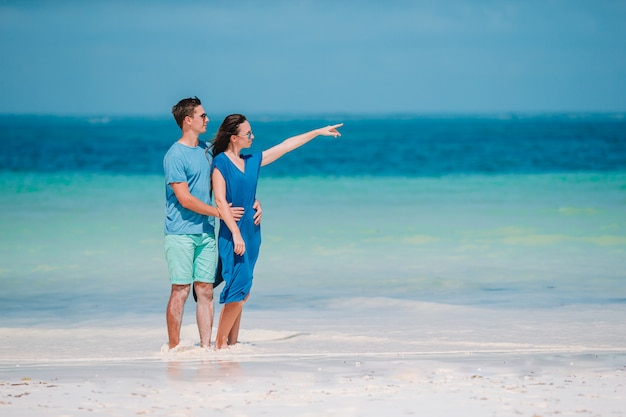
(139, 57)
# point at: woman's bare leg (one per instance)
(231, 313)
(233, 335)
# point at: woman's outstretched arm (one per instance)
(294, 142)
(219, 188)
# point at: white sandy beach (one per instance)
(492, 385)
(569, 362)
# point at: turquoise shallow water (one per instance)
(77, 247)
(539, 240)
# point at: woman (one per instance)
(234, 182)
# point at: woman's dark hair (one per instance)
(230, 126)
(185, 108)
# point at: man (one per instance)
(190, 247)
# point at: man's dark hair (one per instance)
(185, 108)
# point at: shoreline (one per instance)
(190, 353)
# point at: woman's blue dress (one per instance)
(238, 271)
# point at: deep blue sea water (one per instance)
(415, 146)
(500, 211)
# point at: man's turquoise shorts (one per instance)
(191, 258)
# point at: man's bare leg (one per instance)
(204, 312)
(174, 313)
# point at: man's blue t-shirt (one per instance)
(193, 166)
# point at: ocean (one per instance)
(405, 216)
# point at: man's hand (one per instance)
(237, 212)
(258, 212)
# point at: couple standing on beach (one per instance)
(193, 172)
